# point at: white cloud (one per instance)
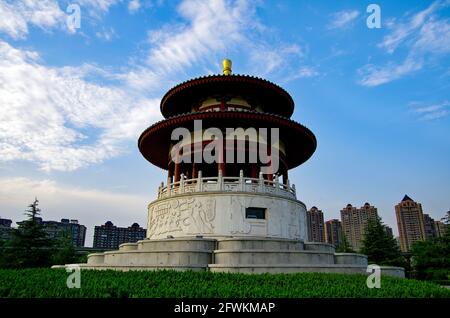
(342, 19)
(212, 27)
(65, 118)
(303, 72)
(267, 59)
(17, 15)
(423, 35)
(134, 6)
(434, 37)
(372, 75)
(97, 5)
(60, 120)
(106, 34)
(431, 112)
(402, 31)
(91, 207)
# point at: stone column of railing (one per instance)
(277, 185)
(199, 181)
(181, 184)
(261, 182)
(241, 180)
(160, 190)
(220, 181)
(168, 186)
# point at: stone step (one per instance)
(287, 268)
(350, 258)
(172, 244)
(154, 257)
(272, 257)
(259, 244)
(318, 246)
(147, 267)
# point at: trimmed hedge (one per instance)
(52, 283)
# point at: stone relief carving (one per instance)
(188, 215)
(275, 225)
(294, 223)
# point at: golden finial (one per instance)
(226, 67)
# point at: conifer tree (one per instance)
(29, 245)
(344, 246)
(380, 247)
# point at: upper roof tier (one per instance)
(258, 93)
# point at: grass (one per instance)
(52, 283)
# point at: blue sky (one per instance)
(74, 101)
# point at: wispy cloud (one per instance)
(96, 8)
(62, 120)
(303, 72)
(402, 31)
(106, 34)
(59, 119)
(372, 75)
(208, 31)
(134, 6)
(431, 112)
(423, 35)
(17, 15)
(65, 118)
(342, 19)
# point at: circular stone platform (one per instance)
(233, 254)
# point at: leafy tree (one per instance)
(431, 259)
(29, 245)
(344, 246)
(64, 252)
(380, 247)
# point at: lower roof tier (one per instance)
(299, 142)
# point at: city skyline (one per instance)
(76, 101)
(317, 215)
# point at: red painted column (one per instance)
(221, 164)
(254, 171)
(270, 174)
(194, 171)
(177, 172)
(170, 172)
(285, 176)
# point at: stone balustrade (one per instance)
(227, 184)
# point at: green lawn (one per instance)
(52, 283)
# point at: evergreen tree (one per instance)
(380, 247)
(29, 245)
(344, 246)
(431, 258)
(64, 252)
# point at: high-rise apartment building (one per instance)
(388, 230)
(354, 222)
(333, 232)
(57, 230)
(5, 229)
(410, 222)
(430, 227)
(109, 236)
(315, 225)
(440, 228)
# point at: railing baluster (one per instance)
(233, 184)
